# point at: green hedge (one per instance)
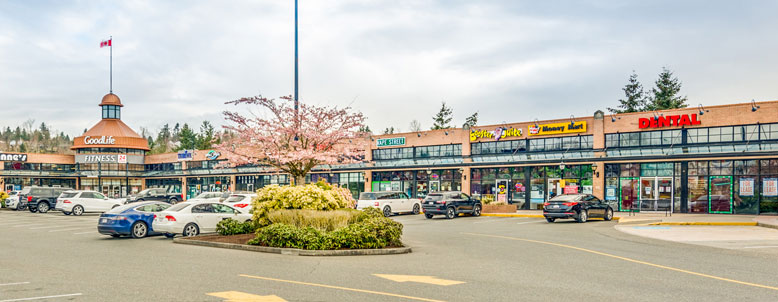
(233, 227)
(368, 230)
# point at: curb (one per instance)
(767, 225)
(707, 223)
(294, 252)
(639, 221)
(526, 215)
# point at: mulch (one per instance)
(239, 239)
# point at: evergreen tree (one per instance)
(443, 119)
(206, 136)
(666, 93)
(365, 129)
(634, 97)
(389, 130)
(187, 138)
(471, 121)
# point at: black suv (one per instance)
(156, 194)
(450, 204)
(40, 199)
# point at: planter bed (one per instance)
(238, 242)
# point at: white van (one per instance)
(390, 202)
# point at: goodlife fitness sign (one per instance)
(103, 140)
(669, 121)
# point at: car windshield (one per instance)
(26, 190)
(204, 195)
(235, 198)
(68, 194)
(434, 197)
(367, 196)
(178, 207)
(122, 208)
(144, 192)
(566, 198)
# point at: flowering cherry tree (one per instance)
(292, 143)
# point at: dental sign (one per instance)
(558, 128)
(497, 134)
(103, 140)
(669, 121)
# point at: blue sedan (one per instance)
(132, 219)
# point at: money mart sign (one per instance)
(387, 142)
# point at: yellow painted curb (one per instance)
(707, 223)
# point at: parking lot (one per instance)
(53, 257)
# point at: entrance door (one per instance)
(250, 187)
(434, 185)
(501, 190)
(554, 187)
(720, 195)
(628, 193)
(656, 193)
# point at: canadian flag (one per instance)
(105, 43)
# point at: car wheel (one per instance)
(78, 210)
(582, 216)
(168, 235)
(139, 229)
(550, 220)
(116, 235)
(416, 209)
(608, 214)
(451, 213)
(43, 207)
(429, 216)
(387, 211)
(477, 210)
(32, 209)
(66, 213)
(173, 201)
(191, 230)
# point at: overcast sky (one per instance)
(394, 60)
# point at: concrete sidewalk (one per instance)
(659, 218)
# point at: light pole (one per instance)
(296, 102)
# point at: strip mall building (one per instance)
(718, 159)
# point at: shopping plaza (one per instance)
(716, 159)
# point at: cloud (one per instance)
(179, 61)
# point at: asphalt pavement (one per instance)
(52, 257)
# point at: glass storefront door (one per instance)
(656, 193)
(502, 190)
(554, 187)
(628, 193)
(720, 196)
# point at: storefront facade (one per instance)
(717, 160)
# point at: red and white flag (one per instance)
(105, 43)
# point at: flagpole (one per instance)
(110, 38)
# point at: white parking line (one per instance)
(41, 298)
(760, 247)
(91, 232)
(62, 230)
(17, 283)
(531, 222)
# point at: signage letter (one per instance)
(643, 123)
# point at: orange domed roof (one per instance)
(111, 99)
(111, 133)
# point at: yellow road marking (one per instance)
(420, 279)
(630, 260)
(233, 296)
(342, 288)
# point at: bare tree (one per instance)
(415, 126)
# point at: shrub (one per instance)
(307, 197)
(366, 230)
(3, 197)
(320, 220)
(233, 227)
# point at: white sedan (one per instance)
(210, 196)
(193, 218)
(80, 202)
(241, 201)
(390, 202)
(12, 202)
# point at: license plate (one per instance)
(554, 206)
(430, 202)
(104, 220)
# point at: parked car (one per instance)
(241, 201)
(390, 202)
(580, 207)
(12, 202)
(80, 202)
(133, 219)
(41, 199)
(211, 196)
(193, 218)
(450, 204)
(156, 194)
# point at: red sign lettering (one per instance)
(668, 121)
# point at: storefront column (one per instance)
(466, 180)
(528, 186)
(684, 186)
(183, 187)
(368, 181)
(598, 180)
(232, 182)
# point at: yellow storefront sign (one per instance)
(557, 128)
(498, 133)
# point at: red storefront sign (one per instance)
(668, 121)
